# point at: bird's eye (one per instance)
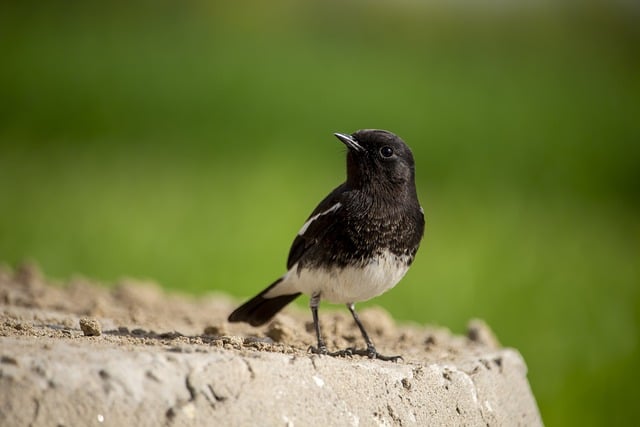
(386, 151)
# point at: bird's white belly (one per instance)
(345, 284)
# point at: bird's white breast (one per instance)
(345, 284)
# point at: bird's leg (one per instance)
(322, 347)
(370, 346)
(371, 351)
(313, 304)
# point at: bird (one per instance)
(356, 244)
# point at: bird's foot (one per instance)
(369, 352)
(322, 349)
(347, 352)
(372, 353)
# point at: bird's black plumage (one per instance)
(358, 242)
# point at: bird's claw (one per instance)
(347, 352)
(370, 352)
(322, 349)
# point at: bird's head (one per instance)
(378, 158)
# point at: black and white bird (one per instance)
(357, 243)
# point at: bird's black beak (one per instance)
(349, 141)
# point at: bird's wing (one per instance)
(322, 219)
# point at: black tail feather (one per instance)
(259, 310)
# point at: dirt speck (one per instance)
(214, 330)
(479, 332)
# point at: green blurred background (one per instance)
(187, 142)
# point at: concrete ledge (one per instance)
(53, 373)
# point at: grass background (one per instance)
(187, 142)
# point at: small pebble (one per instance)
(214, 330)
(90, 327)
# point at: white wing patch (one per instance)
(313, 218)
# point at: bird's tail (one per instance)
(259, 310)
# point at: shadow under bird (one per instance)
(357, 243)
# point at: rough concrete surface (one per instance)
(144, 357)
